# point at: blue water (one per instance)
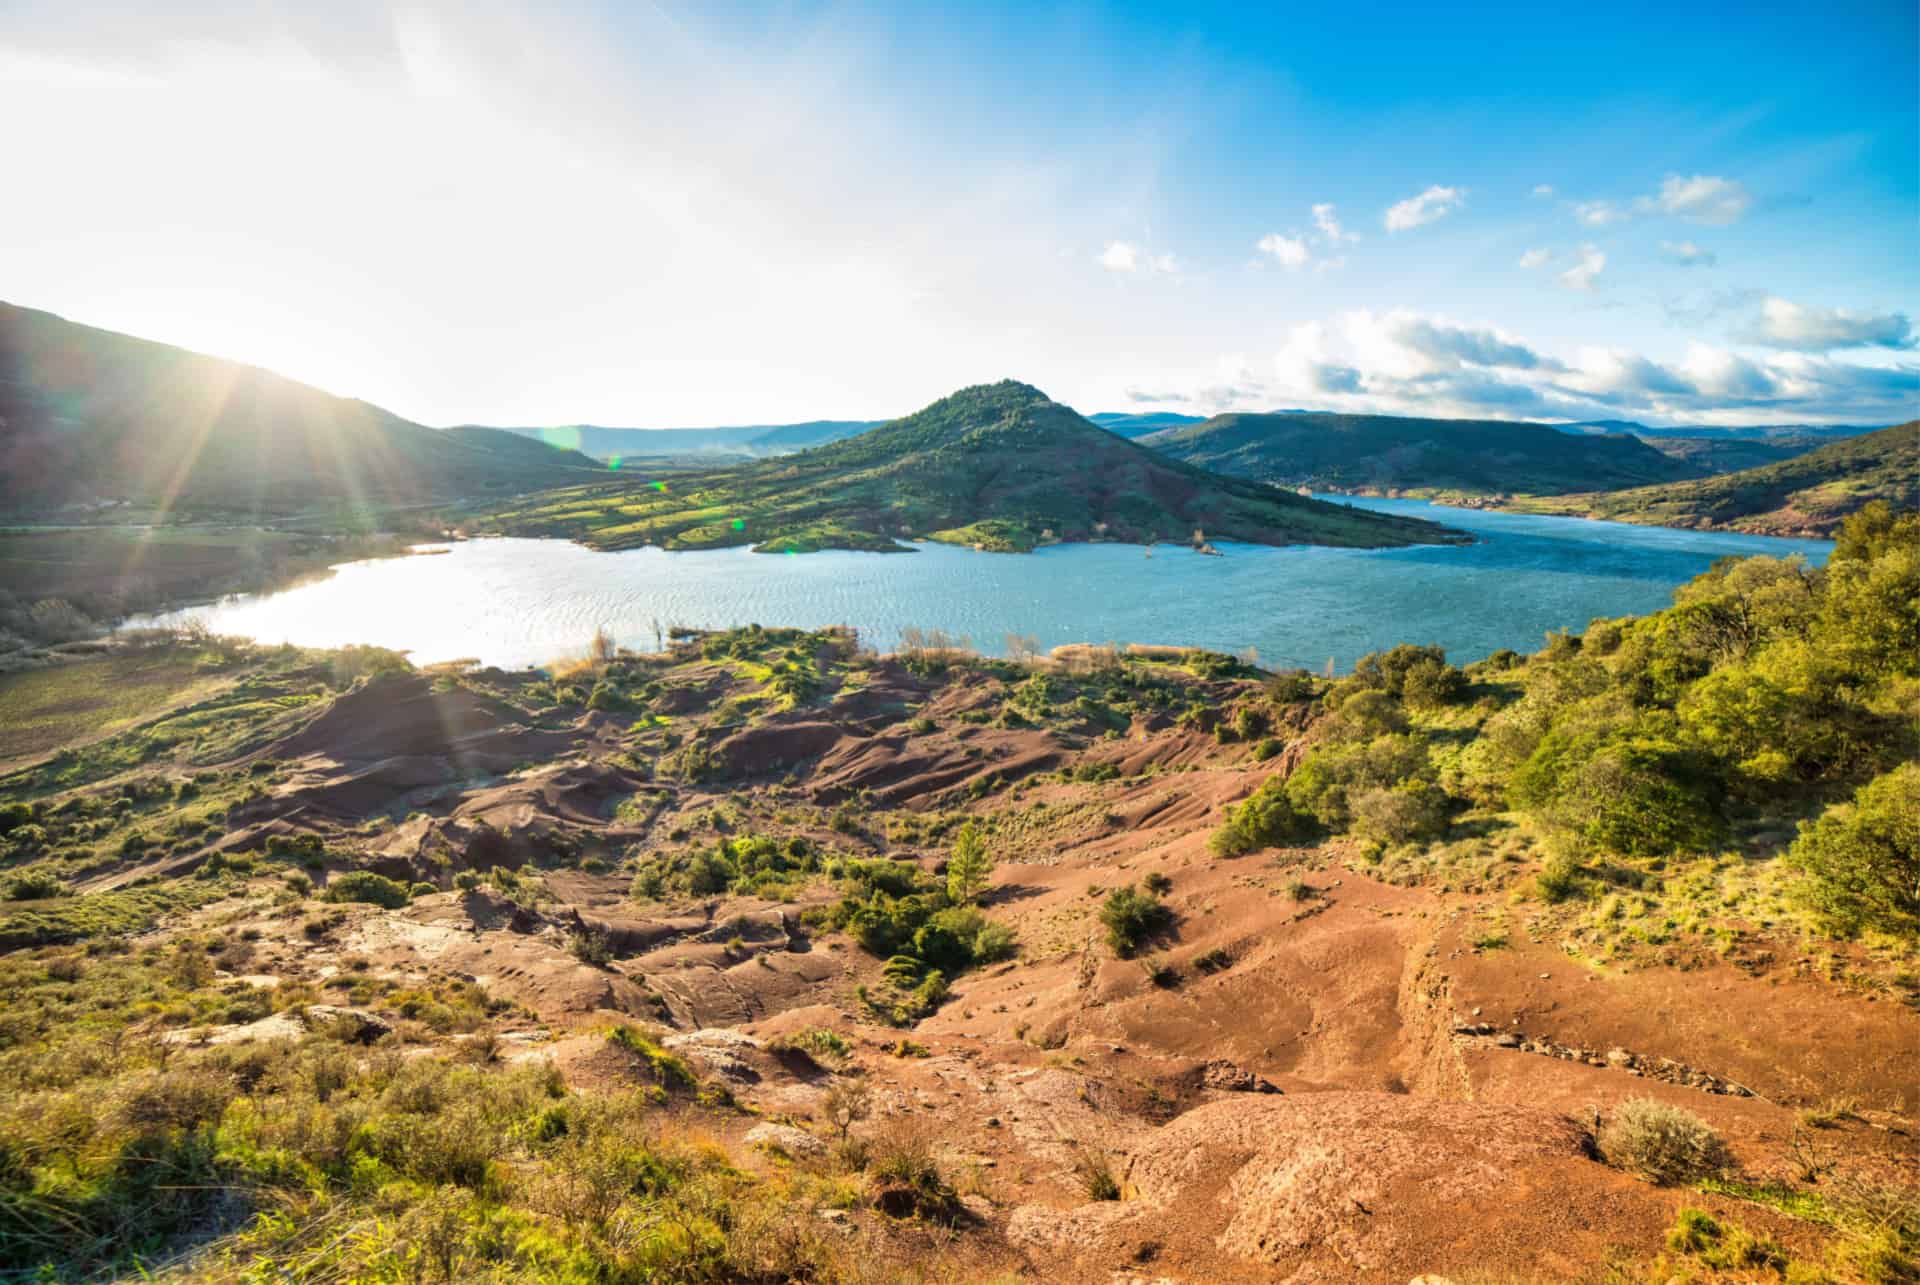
(525, 602)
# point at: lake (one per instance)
(512, 602)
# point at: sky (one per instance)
(712, 213)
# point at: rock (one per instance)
(784, 1138)
(1222, 1074)
(353, 1024)
(1507, 1040)
(1619, 1057)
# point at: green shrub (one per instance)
(1410, 811)
(590, 946)
(1861, 860)
(366, 886)
(1131, 916)
(1264, 818)
(1662, 1144)
(34, 885)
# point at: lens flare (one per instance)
(565, 438)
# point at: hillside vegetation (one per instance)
(767, 958)
(1810, 494)
(1390, 453)
(1770, 693)
(998, 466)
(88, 415)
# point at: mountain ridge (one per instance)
(997, 466)
(89, 415)
(1388, 453)
(1810, 494)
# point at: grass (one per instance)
(85, 700)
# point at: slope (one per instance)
(998, 466)
(1376, 453)
(89, 415)
(1807, 495)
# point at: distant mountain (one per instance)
(1732, 432)
(1731, 454)
(998, 466)
(749, 441)
(1810, 494)
(1391, 453)
(89, 415)
(1127, 425)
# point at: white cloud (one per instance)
(1687, 254)
(1704, 198)
(1580, 276)
(1784, 324)
(1599, 214)
(1535, 259)
(1323, 218)
(1434, 203)
(1289, 252)
(1126, 256)
(1543, 189)
(1411, 363)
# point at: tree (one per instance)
(969, 866)
(1862, 860)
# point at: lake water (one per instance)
(515, 602)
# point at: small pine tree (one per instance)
(969, 866)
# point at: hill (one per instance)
(1390, 453)
(1807, 495)
(1731, 454)
(999, 466)
(89, 415)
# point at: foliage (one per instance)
(1862, 859)
(1131, 916)
(1265, 818)
(1662, 1144)
(969, 865)
(366, 886)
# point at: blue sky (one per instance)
(688, 214)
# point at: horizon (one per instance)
(716, 217)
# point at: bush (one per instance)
(1662, 1144)
(1266, 817)
(1558, 879)
(1410, 811)
(1862, 860)
(366, 886)
(34, 885)
(590, 947)
(1131, 916)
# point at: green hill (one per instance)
(88, 415)
(1391, 453)
(1808, 495)
(999, 466)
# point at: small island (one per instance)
(998, 467)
